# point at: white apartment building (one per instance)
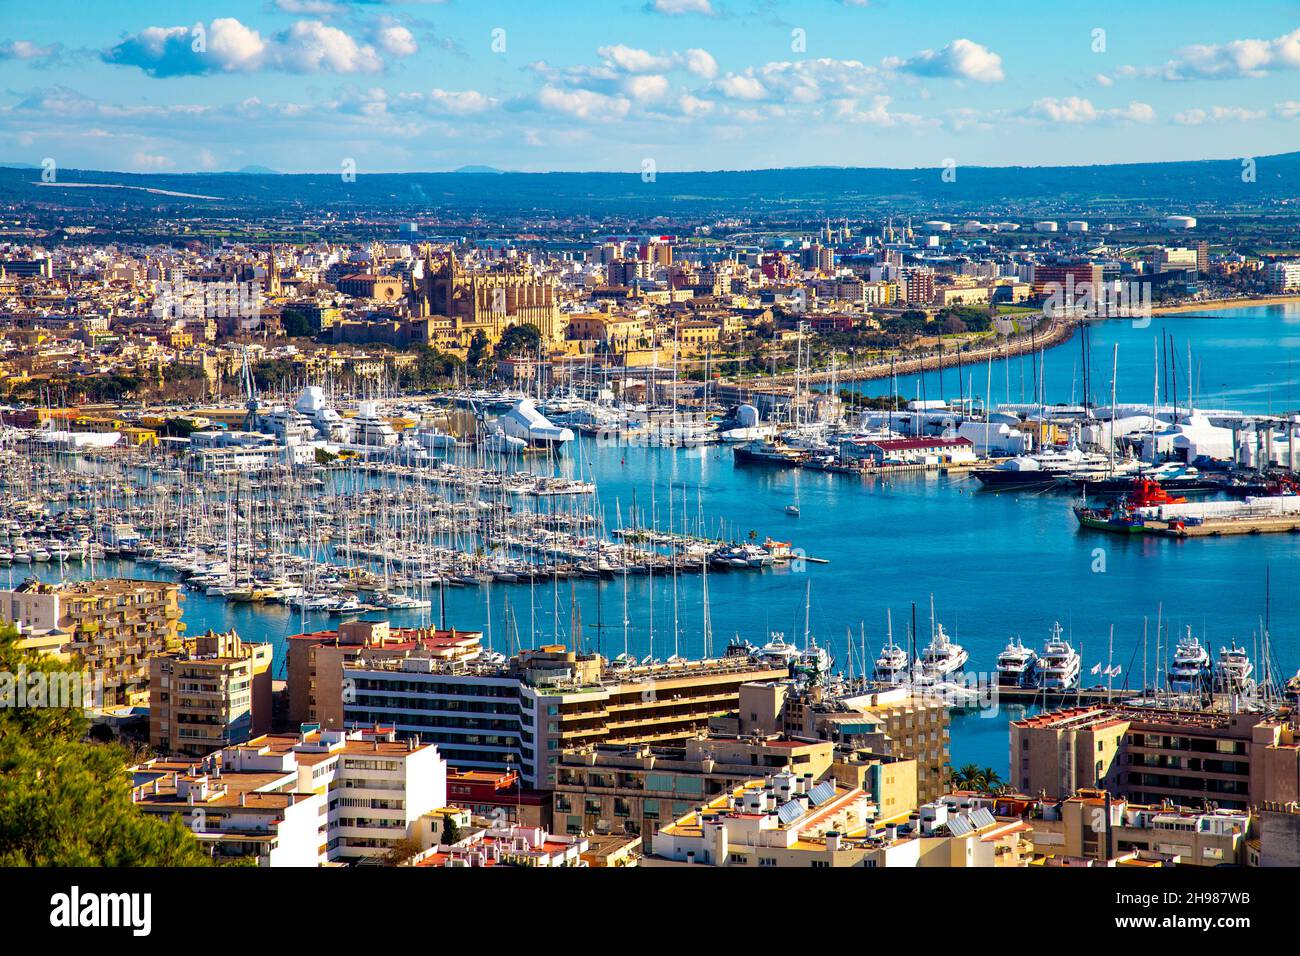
(1284, 276)
(301, 799)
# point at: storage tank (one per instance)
(1180, 222)
(1045, 226)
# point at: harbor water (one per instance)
(998, 565)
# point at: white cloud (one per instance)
(1074, 110)
(803, 81)
(961, 59)
(876, 113)
(228, 46)
(583, 104)
(631, 60)
(1224, 61)
(1218, 114)
(701, 63)
(648, 88)
(679, 7)
(26, 50)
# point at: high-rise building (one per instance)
(111, 627)
(213, 693)
(522, 714)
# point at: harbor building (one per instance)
(301, 799)
(891, 723)
(1279, 838)
(1150, 755)
(315, 661)
(522, 713)
(633, 789)
(111, 627)
(498, 796)
(213, 693)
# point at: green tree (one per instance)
(66, 801)
(476, 355)
(519, 340)
(450, 831)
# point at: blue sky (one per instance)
(302, 85)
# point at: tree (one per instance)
(477, 353)
(990, 780)
(401, 851)
(64, 800)
(450, 830)
(519, 340)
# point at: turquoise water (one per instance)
(997, 565)
(1246, 358)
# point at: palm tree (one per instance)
(966, 777)
(990, 780)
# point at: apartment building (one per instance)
(1152, 755)
(783, 819)
(522, 714)
(300, 799)
(213, 693)
(633, 789)
(891, 723)
(1284, 276)
(315, 661)
(112, 627)
(511, 845)
(1094, 825)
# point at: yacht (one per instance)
(891, 665)
(526, 423)
(1039, 470)
(1015, 665)
(777, 651)
(1191, 664)
(941, 658)
(1233, 670)
(369, 430)
(1059, 664)
(329, 424)
(815, 662)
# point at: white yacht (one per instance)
(1233, 671)
(891, 665)
(778, 651)
(1059, 664)
(1015, 665)
(815, 662)
(527, 424)
(941, 658)
(329, 424)
(370, 430)
(1191, 664)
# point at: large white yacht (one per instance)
(1059, 664)
(370, 430)
(329, 424)
(527, 424)
(941, 658)
(1233, 671)
(1191, 664)
(1015, 665)
(891, 665)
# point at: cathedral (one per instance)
(487, 301)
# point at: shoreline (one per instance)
(1053, 335)
(1234, 303)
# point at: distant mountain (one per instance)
(478, 169)
(256, 171)
(801, 193)
(19, 166)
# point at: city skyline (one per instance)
(681, 84)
